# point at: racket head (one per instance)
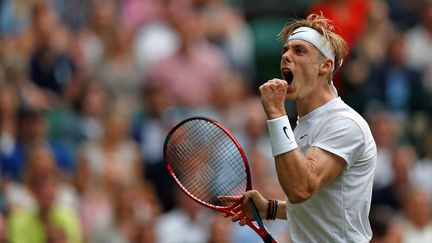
(206, 161)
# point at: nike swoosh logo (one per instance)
(300, 31)
(303, 136)
(284, 130)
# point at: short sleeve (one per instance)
(341, 136)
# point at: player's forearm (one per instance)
(296, 177)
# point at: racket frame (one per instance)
(261, 230)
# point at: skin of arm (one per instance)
(302, 175)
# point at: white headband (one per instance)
(315, 38)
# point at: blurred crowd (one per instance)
(90, 88)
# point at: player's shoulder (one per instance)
(341, 111)
(342, 116)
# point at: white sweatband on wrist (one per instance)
(281, 135)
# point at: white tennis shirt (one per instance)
(339, 211)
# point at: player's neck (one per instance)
(313, 101)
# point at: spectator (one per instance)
(51, 67)
(131, 211)
(385, 129)
(92, 36)
(150, 126)
(49, 222)
(417, 220)
(92, 107)
(227, 101)
(373, 42)
(385, 229)
(397, 85)
(113, 158)
(188, 217)
(33, 130)
(155, 40)
(419, 50)
(102, 164)
(118, 69)
(392, 195)
(197, 64)
(422, 169)
(226, 27)
(39, 157)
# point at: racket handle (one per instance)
(267, 238)
(256, 213)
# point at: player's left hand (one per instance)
(244, 210)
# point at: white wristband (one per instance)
(281, 135)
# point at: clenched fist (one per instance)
(273, 94)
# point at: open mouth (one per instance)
(288, 76)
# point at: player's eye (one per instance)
(299, 50)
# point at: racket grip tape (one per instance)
(266, 238)
(256, 213)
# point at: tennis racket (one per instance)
(206, 162)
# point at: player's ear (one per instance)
(326, 66)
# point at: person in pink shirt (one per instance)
(190, 74)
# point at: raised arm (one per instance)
(299, 175)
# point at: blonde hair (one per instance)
(325, 28)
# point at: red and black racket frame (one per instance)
(261, 231)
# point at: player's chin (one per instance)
(291, 89)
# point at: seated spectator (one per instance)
(224, 26)
(196, 64)
(118, 69)
(417, 218)
(419, 50)
(422, 169)
(51, 67)
(385, 129)
(39, 157)
(102, 164)
(33, 130)
(132, 211)
(92, 107)
(398, 86)
(385, 229)
(158, 114)
(188, 216)
(392, 195)
(49, 221)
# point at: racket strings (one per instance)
(206, 162)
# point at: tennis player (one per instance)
(326, 165)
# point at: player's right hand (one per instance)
(273, 94)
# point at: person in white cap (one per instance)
(326, 165)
